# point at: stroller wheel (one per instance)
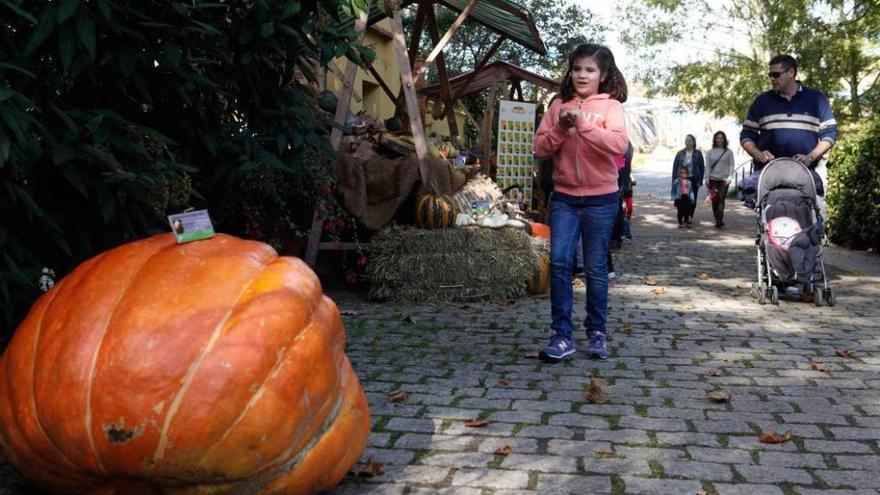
(829, 297)
(818, 298)
(774, 295)
(762, 294)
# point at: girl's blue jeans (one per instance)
(571, 219)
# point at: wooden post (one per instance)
(486, 130)
(409, 93)
(343, 102)
(417, 33)
(339, 75)
(434, 32)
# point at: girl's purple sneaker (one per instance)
(558, 348)
(597, 348)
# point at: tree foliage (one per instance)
(730, 44)
(114, 113)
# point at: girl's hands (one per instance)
(568, 118)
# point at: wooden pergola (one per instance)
(508, 20)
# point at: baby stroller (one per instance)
(789, 234)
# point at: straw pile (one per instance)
(466, 264)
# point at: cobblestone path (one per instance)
(658, 433)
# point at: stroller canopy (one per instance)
(786, 173)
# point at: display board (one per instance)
(515, 154)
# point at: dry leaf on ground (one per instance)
(847, 353)
(578, 283)
(475, 423)
(626, 327)
(687, 306)
(409, 319)
(703, 276)
(504, 450)
(370, 469)
(771, 436)
(397, 396)
(722, 324)
(742, 285)
(502, 383)
(719, 396)
(604, 453)
(532, 354)
(659, 290)
(702, 492)
(347, 312)
(818, 367)
(714, 372)
(597, 391)
(651, 281)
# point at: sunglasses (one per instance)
(774, 74)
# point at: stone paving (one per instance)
(658, 433)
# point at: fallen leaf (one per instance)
(626, 327)
(532, 354)
(577, 283)
(719, 396)
(503, 383)
(703, 276)
(397, 396)
(743, 285)
(410, 320)
(596, 392)
(504, 450)
(847, 353)
(702, 492)
(714, 372)
(659, 291)
(818, 367)
(604, 453)
(476, 423)
(651, 281)
(871, 250)
(770, 436)
(370, 469)
(347, 312)
(687, 306)
(722, 324)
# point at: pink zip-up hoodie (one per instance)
(583, 156)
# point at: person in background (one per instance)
(683, 196)
(692, 159)
(719, 172)
(582, 131)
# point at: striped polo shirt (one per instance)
(789, 127)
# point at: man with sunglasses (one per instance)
(790, 120)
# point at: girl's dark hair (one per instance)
(724, 136)
(692, 139)
(612, 83)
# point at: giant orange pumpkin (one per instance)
(202, 368)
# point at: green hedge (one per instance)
(854, 186)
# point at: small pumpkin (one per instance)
(201, 368)
(540, 281)
(541, 230)
(434, 212)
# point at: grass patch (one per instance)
(656, 469)
(641, 410)
(614, 420)
(620, 365)
(618, 487)
(545, 418)
(723, 440)
(380, 425)
(668, 402)
(517, 428)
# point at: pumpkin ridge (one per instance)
(33, 394)
(94, 361)
(194, 367)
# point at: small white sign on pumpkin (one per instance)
(191, 226)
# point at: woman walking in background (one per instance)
(719, 171)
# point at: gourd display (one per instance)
(434, 212)
(540, 275)
(201, 368)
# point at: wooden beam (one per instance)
(417, 33)
(381, 82)
(463, 88)
(486, 129)
(434, 32)
(343, 102)
(465, 13)
(409, 93)
(339, 75)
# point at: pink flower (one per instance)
(362, 261)
(351, 278)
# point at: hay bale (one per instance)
(466, 264)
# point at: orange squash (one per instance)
(540, 281)
(202, 368)
(541, 230)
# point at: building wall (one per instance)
(374, 101)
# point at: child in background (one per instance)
(683, 197)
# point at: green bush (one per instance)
(854, 186)
(115, 113)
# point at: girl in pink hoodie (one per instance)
(582, 131)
